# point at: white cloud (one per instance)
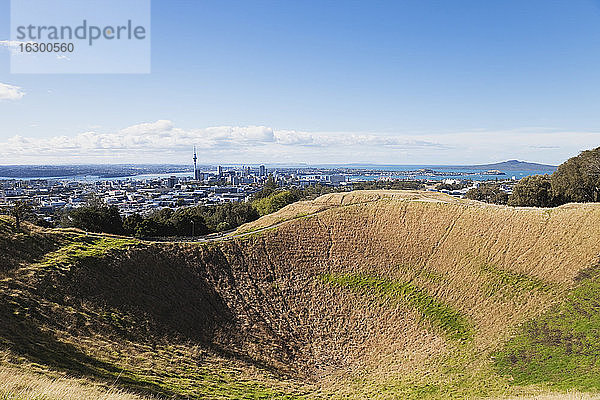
(158, 127)
(162, 141)
(163, 135)
(325, 139)
(13, 45)
(10, 92)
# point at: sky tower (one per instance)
(195, 166)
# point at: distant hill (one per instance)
(506, 166)
(513, 165)
(101, 171)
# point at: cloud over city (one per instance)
(162, 141)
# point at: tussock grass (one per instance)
(307, 208)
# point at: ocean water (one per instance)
(450, 172)
(368, 173)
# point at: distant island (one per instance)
(508, 166)
(511, 165)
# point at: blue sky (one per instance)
(398, 82)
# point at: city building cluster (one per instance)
(143, 195)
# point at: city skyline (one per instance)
(392, 83)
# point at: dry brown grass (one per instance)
(498, 265)
(20, 385)
(333, 200)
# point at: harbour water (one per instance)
(354, 173)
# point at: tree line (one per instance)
(96, 216)
(577, 180)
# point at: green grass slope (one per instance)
(561, 347)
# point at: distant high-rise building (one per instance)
(233, 179)
(195, 166)
(172, 181)
(220, 171)
(262, 171)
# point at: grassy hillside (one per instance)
(353, 295)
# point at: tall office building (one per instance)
(220, 171)
(172, 181)
(262, 171)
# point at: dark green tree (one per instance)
(268, 188)
(578, 178)
(94, 217)
(488, 193)
(275, 201)
(20, 210)
(149, 227)
(533, 191)
(39, 221)
(161, 224)
(314, 191)
(222, 217)
(131, 223)
(389, 185)
(189, 222)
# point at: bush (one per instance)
(188, 221)
(20, 210)
(222, 217)
(268, 188)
